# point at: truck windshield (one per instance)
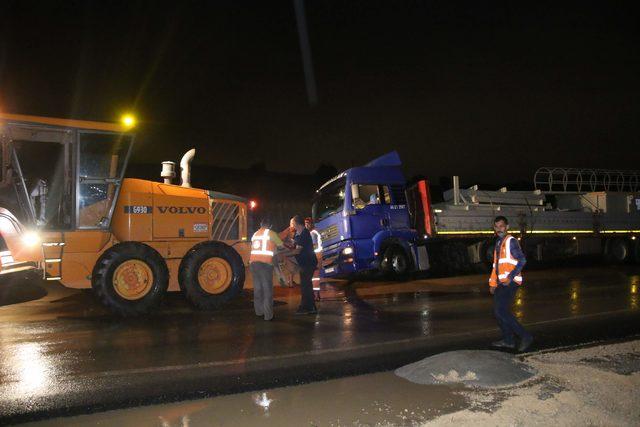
(329, 200)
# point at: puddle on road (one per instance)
(368, 400)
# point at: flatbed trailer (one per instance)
(371, 220)
(571, 212)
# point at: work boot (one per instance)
(525, 343)
(503, 344)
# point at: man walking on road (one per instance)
(506, 276)
(263, 247)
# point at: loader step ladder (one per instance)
(52, 252)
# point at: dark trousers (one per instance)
(502, 302)
(306, 289)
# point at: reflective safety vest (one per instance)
(317, 241)
(504, 265)
(262, 247)
(317, 248)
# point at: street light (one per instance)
(128, 120)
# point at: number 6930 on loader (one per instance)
(67, 211)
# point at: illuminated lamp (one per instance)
(128, 121)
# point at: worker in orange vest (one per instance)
(506, 276)
(264, 244)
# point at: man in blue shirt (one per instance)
(509, 260)
(307, 262)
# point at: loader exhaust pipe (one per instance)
(185, 166)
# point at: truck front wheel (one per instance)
(395, 263)
(130, 278)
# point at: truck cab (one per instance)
(363, 218)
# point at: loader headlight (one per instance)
(347, 251)
(30, 238)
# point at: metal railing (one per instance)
(573, 180)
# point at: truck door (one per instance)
(39, 164)
(370, 213)
(397, 207)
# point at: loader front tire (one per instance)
(211, 274)
(130, 278)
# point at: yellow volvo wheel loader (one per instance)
(67, 211)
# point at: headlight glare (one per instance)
(30, 238)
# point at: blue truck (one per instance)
(370, 219)
(363, 218)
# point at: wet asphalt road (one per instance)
(62, 354)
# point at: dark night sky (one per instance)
(486, 90)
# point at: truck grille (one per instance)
(329, 233)
(329, 260)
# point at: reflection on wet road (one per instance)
(64, 351)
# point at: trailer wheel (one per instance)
(617, 250)
(456, 258)
(395, 262)
(486, 252)
(210, 274)
(636, 251)
(130, 278)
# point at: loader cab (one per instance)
(61, 174)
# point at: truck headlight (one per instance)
(347, 251)
(30, 238)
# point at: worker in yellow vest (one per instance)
(506, 276)
(264, 244)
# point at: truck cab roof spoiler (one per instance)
(389, 159)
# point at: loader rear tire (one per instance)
(130, 278)
(211, 274)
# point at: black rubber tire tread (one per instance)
(102, 278)
(486, 253)
(188, 274)
(635, 251)
(609, 252)
(388, 269)
(456, 258)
